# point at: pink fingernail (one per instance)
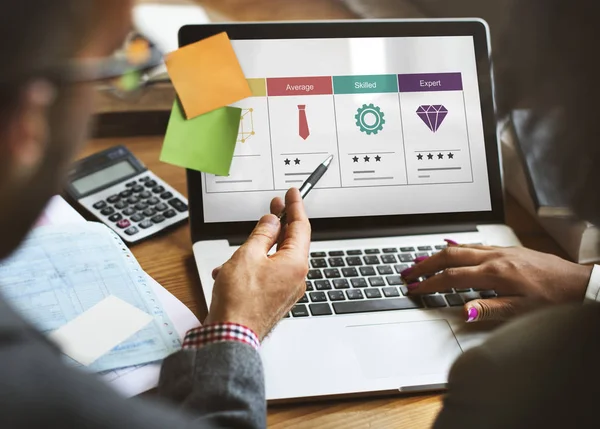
(413, 286)
(406, 272)
(451, 242)
(420, 259)
(472, 314)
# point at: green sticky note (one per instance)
(205, 143)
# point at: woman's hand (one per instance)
(522, 278)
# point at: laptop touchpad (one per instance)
(411, 348)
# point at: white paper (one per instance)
(100, 329)
(58, 211)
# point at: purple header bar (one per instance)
(427, 82)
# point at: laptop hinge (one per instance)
(381, 232)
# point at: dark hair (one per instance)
(548, 61)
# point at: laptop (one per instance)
(406, 109)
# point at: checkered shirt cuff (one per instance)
(219, 332)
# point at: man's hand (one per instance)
(256, 290)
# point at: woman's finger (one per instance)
(452, 278)
(495, 309)
(216, 272)
(451, 257)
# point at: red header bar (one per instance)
(283, 86)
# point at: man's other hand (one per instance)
(257, 290)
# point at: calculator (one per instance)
(117, 189)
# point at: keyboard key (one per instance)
(158, 218)
(390, 292)
(336, 253)
(348, 307)
(133, 200)
(107, 211)
(152, 201)
(158, 190)
(354, 252)
(372, 251)
(385, 270)
(454, 300)
(318, 297)
(141, 206)
(309, 286)
(367, 271)
(354, 294)
(303, 300)
(463, 290)
(406, 257)
(388, 259)
(400, 267)
(178, 205)
(407, 249)
(470, 296)
(336, 295)
(146, 224)
(332, 273)
(113, 199)
(124, 223)
(318, 263)
(336, 262)
(150, 184)
(314, 274)
(404, 289)
(100, 205)
(137, 217)
(434, 301)
(300, 311)
(440, 247)
(371, 260)
(390, 250)
(132, 231)
(129, 211)
(130, 184)
(320, 309)
(125, 194)
(137, 188)
(358, 282)
(376, 281)
(421, 255)
(424, 248)
(323, 285)
(161, 207)
(144, 195)
(486, 294)
(169, 213)
(149, 212)
(350, 272)
(372, 293)
(394, 280)
(121, 205)
(354, 261)
(318, 254)
(166, 195)
(341, 284)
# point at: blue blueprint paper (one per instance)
(61, 271)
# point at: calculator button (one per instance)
(169, 213)
(137, 217)
(152, 201)
(132, 231)
(158, 190)
(160, 207)
(113, 199)
(107, 211)
(166, 195)
(141, 206)
(133, 200)
(130, 184)
(150, 184)
(178, 205)
(116, 217)
(124, 223)
(137, 188)
(146, 224)
(129, 211)
(121, 205)
(145, 194)
(100, 205)
(144, 179)
(149, 212)
(125, 194)
(158, 218)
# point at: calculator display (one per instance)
(101, 178)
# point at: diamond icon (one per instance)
(432, 115)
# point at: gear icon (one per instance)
(370, 111)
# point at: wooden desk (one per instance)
(169, 260)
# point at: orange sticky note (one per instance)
(207, 75)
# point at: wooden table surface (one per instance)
(168, 259)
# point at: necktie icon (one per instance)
(303, 130)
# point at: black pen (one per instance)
(310, 183)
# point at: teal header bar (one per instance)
(365, 84)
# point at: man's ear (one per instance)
(27, 130)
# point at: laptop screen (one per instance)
(401, 116)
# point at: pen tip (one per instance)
(328, 161)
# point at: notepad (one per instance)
(207, 75)
(205, 143)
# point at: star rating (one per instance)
(451, 155)
(355, 159)
(297, 161)
(430, 156)
(420, 157)
(287, 161)
(440, 156)
(377, 158)
(367, 159)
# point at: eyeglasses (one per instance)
(126, 73)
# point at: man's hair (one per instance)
(548, 60)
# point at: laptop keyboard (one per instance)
(368, 280)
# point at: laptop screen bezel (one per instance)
(348, 29)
